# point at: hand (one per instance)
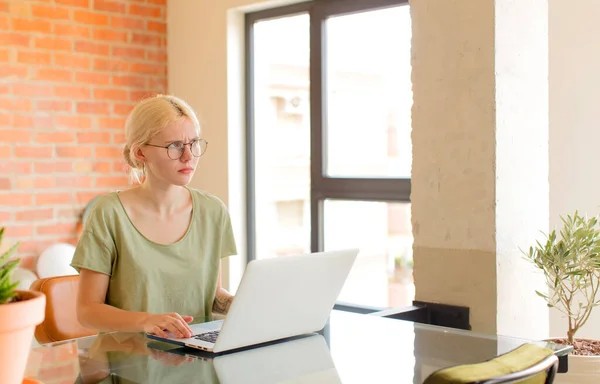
(170, 359)
(170, 322)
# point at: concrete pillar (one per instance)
(480, 158)
(574, 33)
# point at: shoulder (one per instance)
(104, 209)
(209, 203)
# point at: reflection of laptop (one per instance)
(305, 360)
(277, 298)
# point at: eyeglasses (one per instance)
(176, 149)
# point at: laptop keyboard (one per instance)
(210, 337)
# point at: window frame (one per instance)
(322, 187)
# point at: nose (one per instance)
(187, 153)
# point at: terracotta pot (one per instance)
(17, 325)
(582, 370)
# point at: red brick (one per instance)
(111, 181)
(20, 71)
(33, 152)
(157, 26)
(93, 137)
(15, 199)
(128, 23)
(129, 81)
(54, 167)
(72, 61)
(14, 104)
(92, 78)
(113, 123)
(111, 35)
(15, 136)
(18, 231)
(93, 107)
(75, 182)
(122, 109)
(101, 64)
(158, 83)
(119, 138)
(5, 216)
(48, 74)
(4, 55)
(141, 95)
(34, 214)
(44, 182)
(5, 151)
(40, 58)
(109, 153)
(93, 48)
(46, 12)
(72, 30)
(32, 90)
(73, 122)
(158, 2)
(111, 94)
(151, 69)
(76, 3)
(53, 198)
(74, 152)
(4, 22)
(90, 18)
(28, 122)
(5, 183)
(56, 229)
(53, 44)
(128, 53)
(147, 39)
(110, 6)
(146, 11)
(14, 39)
(72, 92)
(5, 119)
(103, 167)
(160, 56)
(54, 105)
(55, 137)
(20, 167)
(34, 25)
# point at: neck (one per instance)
(164, 199)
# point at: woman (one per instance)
(149, 257)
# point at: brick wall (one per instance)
(70, 71)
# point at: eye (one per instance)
(176, 145)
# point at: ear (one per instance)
(139, 155)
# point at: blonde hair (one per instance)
(149, 117)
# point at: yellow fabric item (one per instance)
(516, 360)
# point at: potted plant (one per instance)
(570, 263)
(20, 313)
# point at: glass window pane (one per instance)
(369, 94)
(282, 136)
(382, 274)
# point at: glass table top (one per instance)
(352, 348)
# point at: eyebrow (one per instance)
(179, 141)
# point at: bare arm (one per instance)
(223, 299)
(94, 313)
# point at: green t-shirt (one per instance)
(155, 278)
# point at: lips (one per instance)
(186, 170)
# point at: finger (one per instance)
(176, 327)
(158, 332)
(188, 331)
(188, 319)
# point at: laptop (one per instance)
(277, 298)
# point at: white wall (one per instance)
(574, 122)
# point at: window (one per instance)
(328, 140)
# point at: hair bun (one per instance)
(128, 159)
